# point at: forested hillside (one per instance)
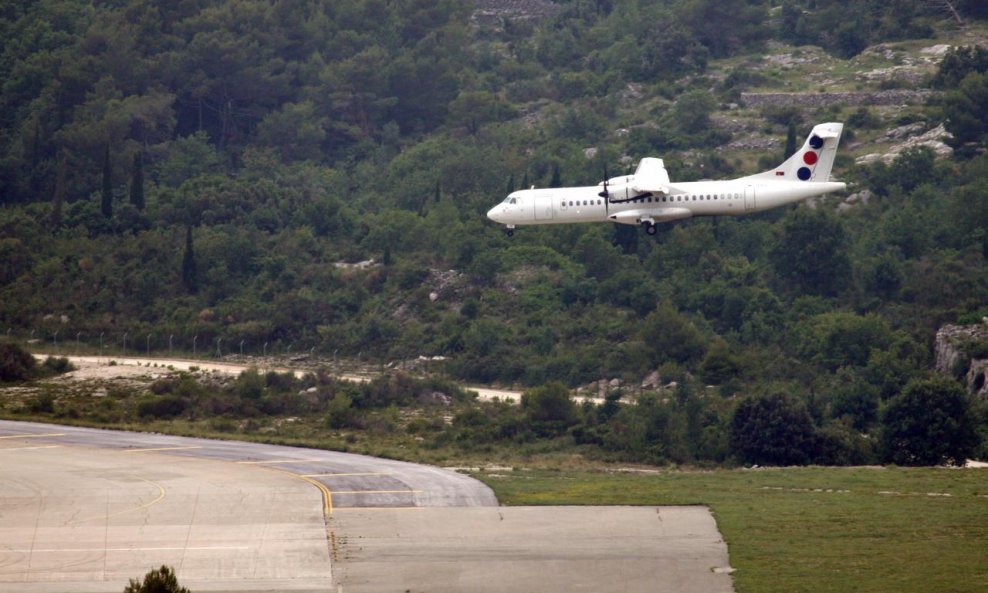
(312, 175)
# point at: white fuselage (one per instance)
(699, 198)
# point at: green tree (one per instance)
(841, 339)
(296, 130)
(339, 411)
(106, 196)
(549, 408)
(773, 430)
(854, 398)
(160, 580)
(670, 336)
(556, 180)
(929, 423)
(137, 182)
(189, 274)
(15, 363)
(966, 110)
(58, 199)
(957, 63)
(790, 140)
(719, 365)
(691, 113)
(813, 252)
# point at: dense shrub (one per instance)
(15, 363)
(164, 407)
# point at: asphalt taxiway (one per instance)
(84, 510)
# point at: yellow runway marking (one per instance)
(377, 491)
(161, 495)
(161, 449)
(33, 436)
(327, 495)
(30, 448)
(332, 475)
(272, 462)
(380, 508)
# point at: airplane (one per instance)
(648, 197)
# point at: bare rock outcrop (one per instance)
(493, 12)
(912, 136)
(962, 351)
(851, 99)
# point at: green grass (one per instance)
(810, 529)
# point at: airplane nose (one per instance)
(495, 213)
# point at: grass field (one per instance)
(809, 529)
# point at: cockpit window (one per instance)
(513, 201)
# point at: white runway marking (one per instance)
(169, 549)
(32, 436)
(341, 475)
(30, 448)
(282, 461)
(161, 449)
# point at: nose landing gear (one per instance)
(510, 231)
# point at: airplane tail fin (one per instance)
(813, 161)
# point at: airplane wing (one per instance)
(651, 176)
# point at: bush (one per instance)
(339, 412)
(161, 580)
(930, 423)
(58, 366)
(15, 363)
(773, 430)
(549, 408)
(164, 407)
(42, 404)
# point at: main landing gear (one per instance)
(650, 227)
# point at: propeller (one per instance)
(604, 194)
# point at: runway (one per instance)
(84, 510)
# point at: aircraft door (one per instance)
(543, 207)
(749, 198)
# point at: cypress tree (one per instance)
(189, 264)
(59, 198)
(137, 182)
(790, 140)
(557, 180)
(106, 205)
(511, 184)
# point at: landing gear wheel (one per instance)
(510, 232)
(650, 228)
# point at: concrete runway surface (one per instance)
(84, 510)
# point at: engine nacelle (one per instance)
(657, 215)
(620, 188)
